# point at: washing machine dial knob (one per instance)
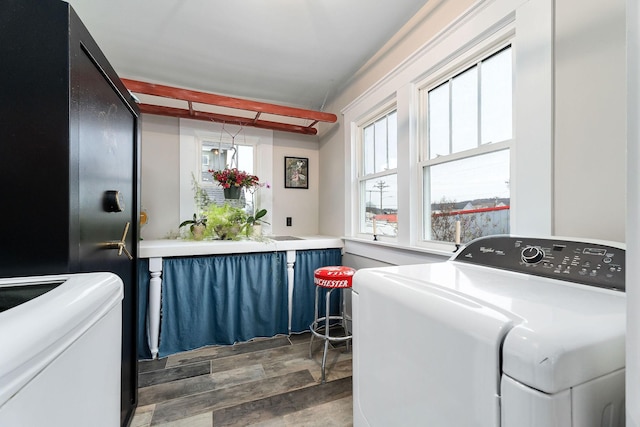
(532, 255)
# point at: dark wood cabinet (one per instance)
(69, 143)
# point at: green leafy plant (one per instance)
(225, 222)
(255, 219)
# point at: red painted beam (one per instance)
(226, 101)
(223, 118)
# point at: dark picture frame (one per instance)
(296, 172)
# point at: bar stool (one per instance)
(328, 279)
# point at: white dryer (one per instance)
(511, 332)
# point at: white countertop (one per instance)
(173, 248)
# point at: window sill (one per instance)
(394, 253)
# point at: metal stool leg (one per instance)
(315, 323)
(344, 317)
(326, 333)
(316, 328)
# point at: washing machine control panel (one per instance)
(594, 264)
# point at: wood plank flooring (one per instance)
(264, 382)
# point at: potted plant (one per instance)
(225, 222)
(233, 181)
(254, 223)
(197, 226)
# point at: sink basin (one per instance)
(281, 238)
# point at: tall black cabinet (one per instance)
(69, 150)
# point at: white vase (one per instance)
(257, 230)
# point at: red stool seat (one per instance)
(328, 279)
(333, 277)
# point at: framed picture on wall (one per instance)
(296, 172)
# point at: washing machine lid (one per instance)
(441, 349)
(570, 334)
(560, 333)
(33, 334)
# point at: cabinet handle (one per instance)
(121, 245)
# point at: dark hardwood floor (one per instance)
(264, 382)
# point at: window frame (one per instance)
(193, 132)
(383, 111)
(227, 141)
(456, 67)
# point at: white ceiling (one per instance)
(290, 52)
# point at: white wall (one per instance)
(299, 204)
(590, 134)
(160, 180)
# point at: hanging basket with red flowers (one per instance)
(228, 178)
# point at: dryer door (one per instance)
(424, 354)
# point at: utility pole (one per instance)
(381, 185)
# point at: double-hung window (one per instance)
(378, 176)
(465, 152)
(220, 155)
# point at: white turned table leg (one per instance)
(155, 297)
(291, 260)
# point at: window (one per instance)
(222, 145)
(219, 155)
(378, 186)
(465, 166)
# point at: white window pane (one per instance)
(392, 132)
(380, 203)
(464, 108)
(220, 155)
(438, 121)
(245, 158)
(381, 163)
(474, 191)
(368, 150)
(496, 96)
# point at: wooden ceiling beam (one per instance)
(226, 101)
(223, 118)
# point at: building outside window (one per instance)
(377, 179)
(465, 153)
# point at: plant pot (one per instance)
(257, 230)
(232, 193)
(197, 231)
(227, 232)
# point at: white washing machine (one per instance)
(60, 350)
(511, 332)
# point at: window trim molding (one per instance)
(383, 111)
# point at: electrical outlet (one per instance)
(288, 221)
